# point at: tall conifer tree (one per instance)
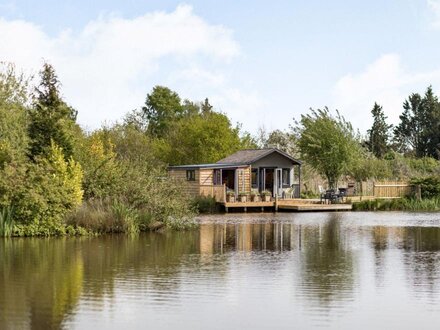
(378, 135)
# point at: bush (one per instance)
(205, 204)
(307, 194)
(430, 186)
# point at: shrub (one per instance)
(430, 186)
(205, 204)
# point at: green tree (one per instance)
(329, 144)
(102, 173)
(162, 107)
(51, 189)
(203, 138)
(378, 135)
(284, 141)
(419, 125)
(206, 106)
(51, 119)
(13, 114)
(432, 135)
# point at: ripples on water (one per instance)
(285, 270)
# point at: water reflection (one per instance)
(304, 270)
(224, 238)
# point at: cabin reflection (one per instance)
(249, 237)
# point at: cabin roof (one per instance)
(207, 166)
(240, 158)
(249, 156)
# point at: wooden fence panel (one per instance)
(216, 191)
(392, 189)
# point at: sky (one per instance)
(263, 63)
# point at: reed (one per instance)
(399, 204)
(6, 222)
(109, 216)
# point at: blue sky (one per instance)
(261, 62)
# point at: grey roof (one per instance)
(249, 156)
(207, 166)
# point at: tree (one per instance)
(203, 138)
(418, 130)
(13, 114)
(161, 108)
(432, 135)
(327, 143)
(284, 141)
(206, 107)
(378, 135)
(51, 119)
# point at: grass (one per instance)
(110, 216)
(398, 204)
(6, 222)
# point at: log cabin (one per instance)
(251, 170)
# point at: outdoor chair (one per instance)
(322, 192)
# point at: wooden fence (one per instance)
(392, 189)
(216, 191)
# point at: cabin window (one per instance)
(286, 177)
(191, 175)
(254, 178)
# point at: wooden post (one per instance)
(418, 192)
(224, 193)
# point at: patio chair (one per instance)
(322, 192)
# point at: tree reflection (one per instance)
(40, 278)
(421, 258)
(327, 266)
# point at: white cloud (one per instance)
(108, 67)
(434, 6)
(386, 82)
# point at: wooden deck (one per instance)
(299, 205)
(316, 207)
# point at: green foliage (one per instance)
(6, 222)
(378, 135)
(327, 143)
(102, 174)
(13, 115)
(308, 194)
(285, 141)
(419, 125)
(162, 107)
(52, 187)
(205, 204)
(201, 138)
(398, 204)
(430, 186)
(51, 119)
(105, 216)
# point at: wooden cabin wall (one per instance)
(190, 187)
(206, 177)
(244, 174)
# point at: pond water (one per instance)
(237, 271)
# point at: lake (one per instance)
(237, 271)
